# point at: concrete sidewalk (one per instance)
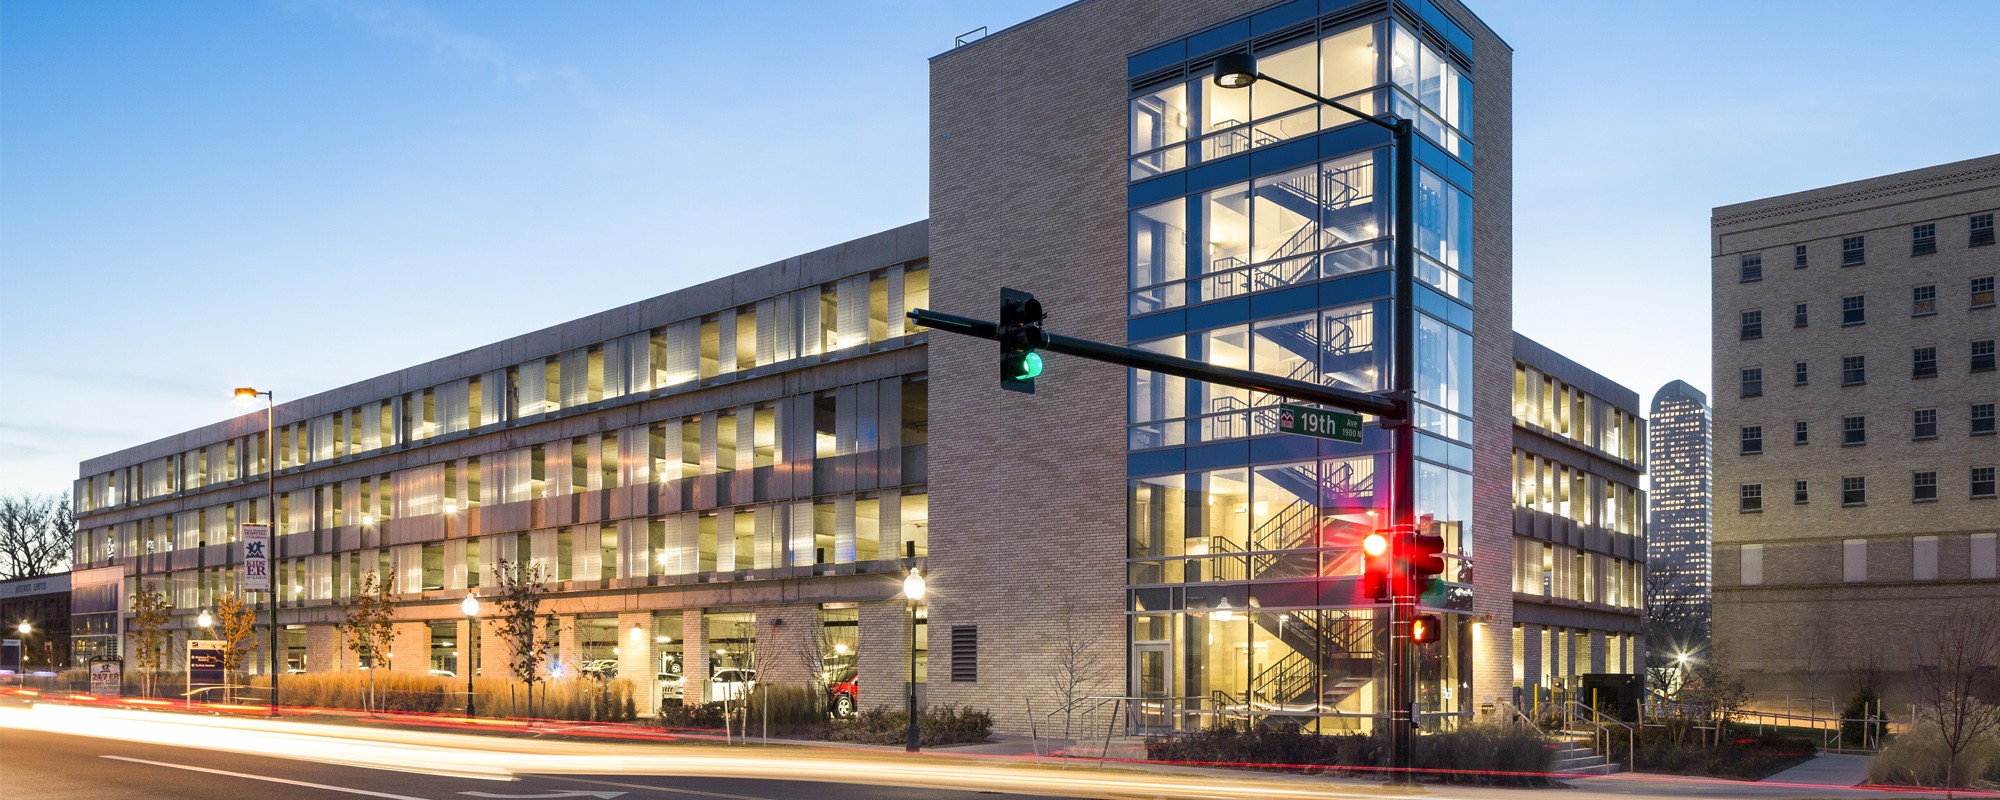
(1829, 769)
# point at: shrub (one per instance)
(1861, 706)
(1677, 749)
(570, 699)
(1474, 751)
(936, 725)
(674, 714)
(1917, 758)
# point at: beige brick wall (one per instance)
(410, 651)
(883, 663)
(1804, 597)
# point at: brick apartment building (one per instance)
(1854, 416)
(748, 467)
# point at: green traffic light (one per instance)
(1031, 365)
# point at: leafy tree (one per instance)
(150, 613)
(519, 597)
(236, 622)
(367, 623)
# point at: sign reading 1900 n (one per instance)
(1307, 421)
(257, 558)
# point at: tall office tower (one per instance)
(1678, 519)
(1854, 328)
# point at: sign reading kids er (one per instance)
(257, 558)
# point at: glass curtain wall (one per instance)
(1244, 559)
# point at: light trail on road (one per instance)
(496, 758)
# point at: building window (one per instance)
(1853, 310)
(1753, 439)
(1854, 491)
(1982, 419)
(1982, 355)
(1853, 431)
(1798, 256)
(1982, 292)
(1753, 268)
(1799, 432)
(1923, 487)
(1982, 481)
(1923, 300)
(1753, 325)
(1799, 374)
(1799, 496)
(1799, 315)
(1982, 230)
(1853, 250)
(1923, 239)
(1854, 560)
(1923, 362)
(1752, 498)
(1923, 558)
(1752, 567)
(1753, 382)
(1853, 370)
(1923, 424)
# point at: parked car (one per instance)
(672, 686)
(731, 684)
(846, 696)
(603, 669)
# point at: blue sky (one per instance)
(304, 193)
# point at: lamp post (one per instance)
(204, 619)
(913, 589)
(25, 628)
(471, 609)
(271, 505)
(1239, 71)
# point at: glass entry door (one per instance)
(1150, 683)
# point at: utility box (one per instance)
(1614, 695)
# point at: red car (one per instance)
(846, 696)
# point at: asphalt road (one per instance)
(38, 764)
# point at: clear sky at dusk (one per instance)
(299, 195)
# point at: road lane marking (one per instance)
(267, 778)
(561, 793)
(655, 788)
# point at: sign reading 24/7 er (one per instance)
(1307, 421)
(257, 558)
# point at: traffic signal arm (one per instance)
(1389, 409)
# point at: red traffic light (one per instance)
(1379, 567)
(1425, 628)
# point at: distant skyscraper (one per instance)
(1679, 524)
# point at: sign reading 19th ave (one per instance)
(1307, 421)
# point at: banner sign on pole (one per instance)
(257, 558)
(107, 678)
(204, 666)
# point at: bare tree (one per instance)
(1959, 680)
(1715, 694)
(1077, 665)
(236, 621)
(151, 611)
(1814, 658)
(37, 533)
(519, 597)
(368, 623)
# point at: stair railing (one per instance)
(1577, 709)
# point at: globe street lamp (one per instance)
(205, 620)
(26, 628)
(913, 588)
(471, 609)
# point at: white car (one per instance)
(731, 684)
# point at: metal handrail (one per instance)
(1631, 733)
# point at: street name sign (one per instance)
(1308, 421)
(257, 558)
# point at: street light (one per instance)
(270, 503)
(26, 628)
(471, 609)
(205, 620)
(1238, 71)
(913, 588)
